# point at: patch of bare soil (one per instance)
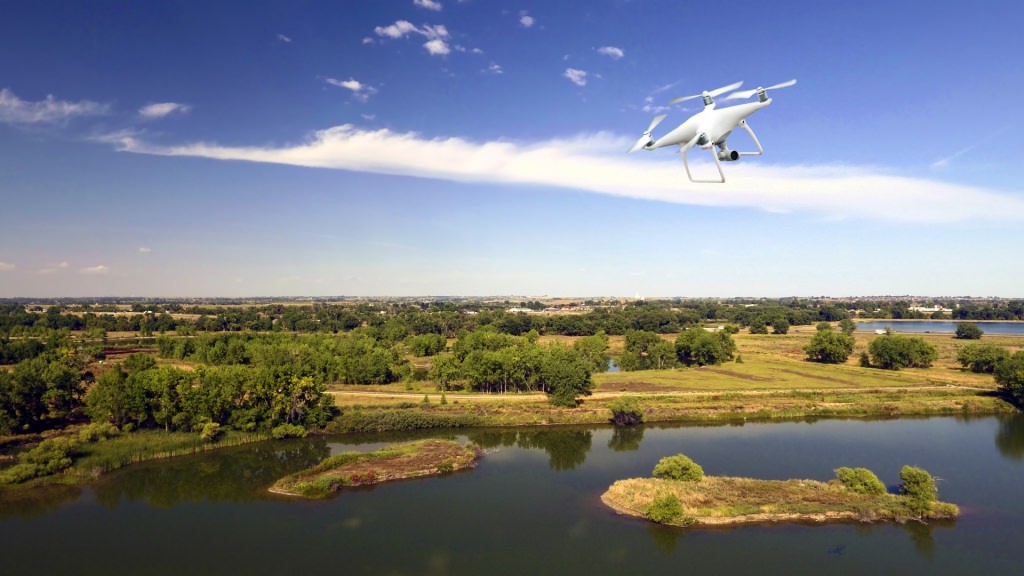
(632, 387)
(817, 377)
(739, 375)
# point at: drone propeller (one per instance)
(712, 93)
(646, 138)
(749, 93)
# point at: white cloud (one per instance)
(14, 110)
(525, 19)
(53, 269)
(577, 77)
(437, 47)
(597, 163)
(368, 40)
(360, 91)
(144, 250)
(436, 43)
(611, 51)
(161, 109)
(494, 68)
(284, 38)
(6, 266)
(428, 4)
(397, 30)
(369, 116)
(99, 269)
(651, 108)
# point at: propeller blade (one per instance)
(639, 144)
(712, 93)
(725, 89)
(654, 123)
(748, 93)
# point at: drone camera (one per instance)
(728, 155)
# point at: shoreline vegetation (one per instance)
(396, 462)
(681, 495)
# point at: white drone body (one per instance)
(711, 127)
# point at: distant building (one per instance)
(519, 311)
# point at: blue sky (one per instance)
(477, 147)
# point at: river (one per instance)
(530, 507)
(939, 326)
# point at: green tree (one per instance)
(594, 350)
(565, 376)
(626, 411)
(678, 467)
(1009, 374)
(919, 488)
(697, 346)
(893, 352)
(847, 326)
(830, 347)
(758, 326)
(968, 331)
(981, 357)
(446, 371)
(860, 480)
(780, 326)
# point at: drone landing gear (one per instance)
(717, 163)
(760, 151)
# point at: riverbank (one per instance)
(718, 501)
(399, 462)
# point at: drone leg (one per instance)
(717, 163)
(760, 151)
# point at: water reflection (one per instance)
(230, 475)
(566, 447)
(1010, 436)
(33, 502)
(626, 438)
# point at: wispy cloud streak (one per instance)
(14, 110)
(595, 163)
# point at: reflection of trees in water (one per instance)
(1010, 437)
(921, 534)
(38, 501)
(626, 438)
(232, 475)
(566, 449)
(665, 537)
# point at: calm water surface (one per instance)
(530, 507)
(939, 326)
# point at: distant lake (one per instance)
(939, 326)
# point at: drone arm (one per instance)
(760, 151)
(714, 155)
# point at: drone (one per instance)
(711, 126)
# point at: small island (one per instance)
(681, 495)
(410, 460)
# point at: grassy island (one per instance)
(410, 460)
(726, 501)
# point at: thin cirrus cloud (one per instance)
(360, 91)
(611, 51)
(53, 269)
(163, 109)
(49, 110)
(596, 163)
(428, 4)
(98, 269)
(7, 267)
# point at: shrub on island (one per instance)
(626, 411)
(678, 467)
(860, 480)
(664, 509)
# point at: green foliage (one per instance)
(664, 509)
(626, 411)
(968, 331)
(48, 457)
(646, 350)
(893, 352)
(288, 431)
(981, 357)
(830, 347)
(565, 376)
(847, 326)
(780, 326)
(697, 346)
(919, 488)
(38, 390)
(860, 480)
(594, 350)
(210, 432)
(678, 467)
(392, 419)
(98, 431)
(444, 399)
(426, 344)
(864, 360)
(758, 326)
(1009, 374)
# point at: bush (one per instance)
(98, 431)
(847, 326)
(700, 347)
(48, 457)
(1010, 376)
(860, 480)
(626, 411)
(830, 347)
(968, 331)
(894, 352)
(664, 509)
(288, 431)
(780, 326)
(919, 487)
(210, 432)
(981, 357)
(679, 467)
